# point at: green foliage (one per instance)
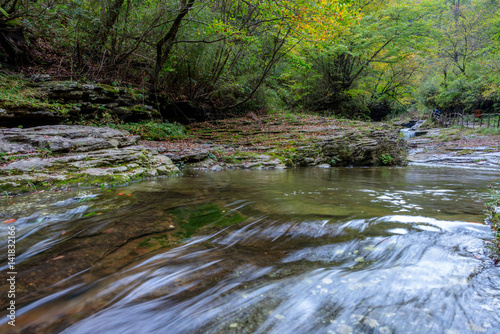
(386, 159)
(153, 129)
(4, 12)
(368, 72)
(460, 74)
(361, 59)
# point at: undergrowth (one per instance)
(153, 129)
(13, 88)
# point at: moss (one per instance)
(37, 105)
(286, 156)
(72, 180)
(110, 88)
(493, 218)
(239, 156)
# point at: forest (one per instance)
(361, 59)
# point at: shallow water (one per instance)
(342, 250)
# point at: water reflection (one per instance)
(362, 250)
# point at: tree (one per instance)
(165, 44)
(372, 63)
(461, 76)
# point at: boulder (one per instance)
(355, 148)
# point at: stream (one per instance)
(308, 250)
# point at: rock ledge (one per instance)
(60, 155)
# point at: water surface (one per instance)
(342, 250)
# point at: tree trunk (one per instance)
(108, 20)
(164, 45)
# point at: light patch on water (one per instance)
(398, 231)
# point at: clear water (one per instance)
(343, 250)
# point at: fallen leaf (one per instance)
(8, 221)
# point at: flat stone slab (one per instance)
(475, 159)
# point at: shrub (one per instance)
(386, 159)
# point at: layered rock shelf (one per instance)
(67, 101)
(269, 142)
(62, 155)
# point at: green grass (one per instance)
(153, 129)
(490, 131)
(16, 93)
(13, 88)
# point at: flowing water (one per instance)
(342, 250)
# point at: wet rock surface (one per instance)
(53, 155)
(441, 147)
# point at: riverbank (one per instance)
(49, 157)
(62, 156)
(285, 140)
(59, 157)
